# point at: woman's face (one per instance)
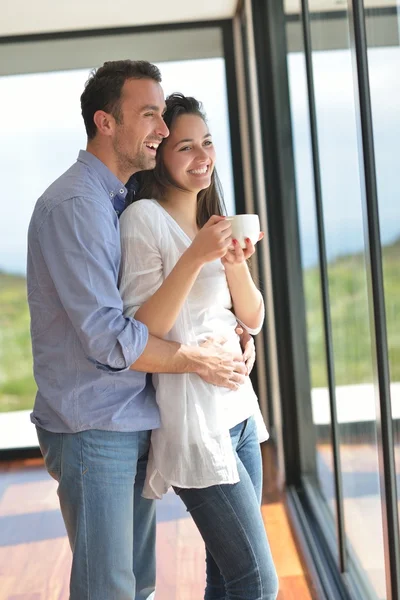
(189, 153)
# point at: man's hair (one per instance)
(103, 89)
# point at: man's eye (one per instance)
(208, 143)
(150, 114)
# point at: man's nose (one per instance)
(162, 129)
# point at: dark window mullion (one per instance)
(257, 199)
(378, 312)
(324, 287)
(233, 109)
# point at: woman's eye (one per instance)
(184, 148)
(208, 143)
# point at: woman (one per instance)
(186, 279)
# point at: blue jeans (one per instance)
(238, 557)
(111, 528)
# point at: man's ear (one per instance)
(104, 122)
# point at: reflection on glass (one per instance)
(385, 98)
(311, 277)
(39, 142)
(347, 264)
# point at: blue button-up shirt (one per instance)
(82, 344)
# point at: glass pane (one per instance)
(384, 61)
(324, 481)
(347, 264)
(41, 138)
(347, 269)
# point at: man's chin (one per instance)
(151, 164)
(145, 163)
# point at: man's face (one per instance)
(141, 127)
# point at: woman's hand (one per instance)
(212, 241)
(248, 348)
(238, 255)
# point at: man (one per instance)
(94, 409)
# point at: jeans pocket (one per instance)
(51, 447)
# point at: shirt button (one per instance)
(112, 194)
(120, 362)
(122, 191)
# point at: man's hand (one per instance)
(248, 347)
(218, 366)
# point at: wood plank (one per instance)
(27, 498)
(294, 588)
(40, 568)
(26, 597)
(190, 560)
(281, 540)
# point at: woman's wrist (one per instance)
(236, 268)
(195, 259)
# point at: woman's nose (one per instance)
(202, 155)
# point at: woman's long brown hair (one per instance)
(154, 183)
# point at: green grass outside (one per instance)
(349, 314)
(17, 386)
(350, 318)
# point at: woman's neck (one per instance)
(182, 206)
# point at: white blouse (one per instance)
(192, 448)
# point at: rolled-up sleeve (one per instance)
(81, 248)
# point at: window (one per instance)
(41, 136)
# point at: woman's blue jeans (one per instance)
(238, 556)
(111, 528)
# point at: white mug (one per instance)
(245, 226)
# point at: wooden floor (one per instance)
(35, 557)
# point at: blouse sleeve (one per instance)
(141, 272)
(249, 329)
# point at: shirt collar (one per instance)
(132, 184)
(115, 188)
